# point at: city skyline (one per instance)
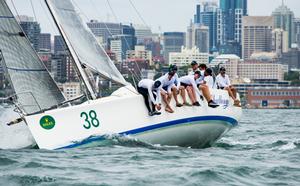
(124, 11)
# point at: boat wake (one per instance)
(13, 137)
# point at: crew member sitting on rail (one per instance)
(190, 80)
(205, 88)
(208, 79)
(148, 87)
(168, 87)
(195, 67)
(223, 82)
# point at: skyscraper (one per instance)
(32, 30)
(59, 45)
(142, 33)
(104, 30)
(280, 41)
(297, 31)
(283, 19)
(208, 17)
(198, 37)
(230, 22)
(173, 41)
(257, 34)
(45, 41)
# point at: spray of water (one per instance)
(13, 137)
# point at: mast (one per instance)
(80, 68)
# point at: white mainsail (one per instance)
(32, 83)
(80, 39)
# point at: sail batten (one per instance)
(31, 81)
(82, 41)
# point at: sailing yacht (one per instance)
(57, 123)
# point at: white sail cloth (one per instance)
(82, 40)
(32, 83)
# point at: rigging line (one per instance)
(127, 44)
(33, 10)
(17, 13)
(138, 13)
(122, 33)
(80, 10)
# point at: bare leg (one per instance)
(191, 93)
(205, 92)
(230, 93)
(174, 91)
(167, 102)
(182, 93)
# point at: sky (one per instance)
(160, 15)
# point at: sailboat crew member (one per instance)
(168, 87)
(200, 84)
(223, 82)
(195, 67)
(186, 81)
(208, 79)
(149, 88)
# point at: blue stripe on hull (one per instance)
(228, 120)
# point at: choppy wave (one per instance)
(263, 150)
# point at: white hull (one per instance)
(125, 113)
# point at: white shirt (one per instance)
(189, 80)
(209, 81)
(149, 85)
(193, 72)
(223, 82)
(169, 83)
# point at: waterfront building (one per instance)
(142, 33)
(273, 97)
(198, 36)
(173, 41)
(297, 31)
(291, 58)
(186, 56)
(253, 70)
(208, 17)
(45, 41)
(140, 53)
(257, 35)
(280, 42)
(229, 24)
(120, 44)
(283, 19)
(71, 89)
(104, 30)
(32, 30)
(59, 45)
(45, 55)
(62, 68)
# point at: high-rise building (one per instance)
(280, 41)
(59, 45)
(104, 30)
(172, 41)
(142, 33)
(120, 44)
(206, 17)
(62, 68)
(198, 36)
(229, 23)
(186, 56)
(297, 31)
(45, 41)
(129, 35)
(257, 34)
(32, 29)
(283, 19)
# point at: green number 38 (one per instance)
(90, 119)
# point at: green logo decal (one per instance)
(47, 122)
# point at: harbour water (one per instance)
(263, 150)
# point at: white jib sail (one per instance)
(82, 40)
(32, 83)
